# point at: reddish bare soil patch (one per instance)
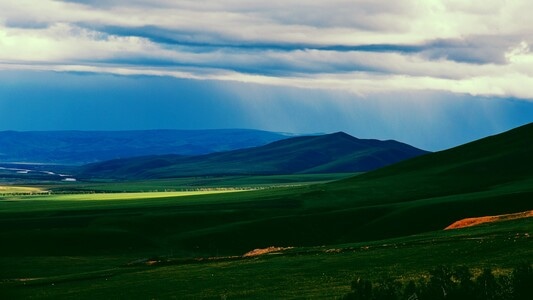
(269, 250)
(469, 222)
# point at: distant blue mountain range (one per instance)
(82, 147)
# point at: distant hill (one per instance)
(330, 153)
(82, 147)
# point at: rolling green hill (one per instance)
(486, 177)
(331, 153)
(483, 165)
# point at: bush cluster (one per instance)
(450, 283)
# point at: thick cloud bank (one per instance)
(362, 46)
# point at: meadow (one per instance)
(301, 272)
(195, 183)
(8, 189)
(181, 245)
(134, 244)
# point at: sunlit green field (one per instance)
(194, 183)
(118, 196)
(8, 189)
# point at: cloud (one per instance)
(363, 46)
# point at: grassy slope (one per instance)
(491, 176)
(316, 272)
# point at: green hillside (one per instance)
(332, 153)
(323, 272)
(79, 242)
(486, 177)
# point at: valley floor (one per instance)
(312, 272)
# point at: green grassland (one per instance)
(386, 222)
(83, 247)
(90, 197)
(9, 189)
(316, 272)
(194, 183)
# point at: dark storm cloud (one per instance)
(471, 49)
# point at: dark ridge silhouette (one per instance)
(330, 153)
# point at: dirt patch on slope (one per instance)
(263, 251)
(469, 222)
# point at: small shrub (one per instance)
(387, 289)
(361, 289)
(410, 291)
(464, 286)
(486, 285)
(522, 282)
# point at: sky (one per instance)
(434, 74)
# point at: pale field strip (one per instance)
(124, 196)
(19, 189)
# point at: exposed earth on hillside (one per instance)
(469, 222)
